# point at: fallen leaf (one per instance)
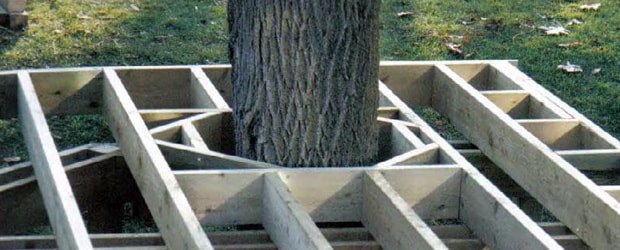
(12, 159)
(570, 45)
(81, 15)
(570, 68)
(134, 7)
(454, 47)
(554, 30)
(405, 14)
(590, 6)
(573, 22)
(596, 71)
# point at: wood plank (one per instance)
(514, 102)
(200, 81)
(428, 154)
(614, 191)
(490, 232)
(390, 219)
(432, 192)
(191, 137)
(182, 157)
(166, 201)
(569, 195)
(592, 159)
(69, 92)
(558, 134)
(63, 212)
(288, 224)
(512, 73)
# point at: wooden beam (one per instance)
(62, 209)
(614, 191)
(191, 137)
(491, 232)
(185, 157)
(569, 195)
(514, 102)
(201, 82)
(558, 134)
(166, 201)
(428, 154)
(391, 221)
(592, 159)
(289, 226)
(69, 92)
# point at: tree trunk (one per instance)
(305, 80)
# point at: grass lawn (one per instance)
(65, 33)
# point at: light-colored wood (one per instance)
(158, 117)
(288, 224)
(428, 154)
(569, 195)
(180, 157)
(63, 212)
(165, 199)
(432, 192)
(200, 81)
(13, 6)
(191, 137)
(488, 231)
(391, 220)
(512, 73)
(159, 88)
(592, 159)
(69, 93)
(614, 191)
(558, 134)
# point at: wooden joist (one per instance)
(62, 209)
(166, 201)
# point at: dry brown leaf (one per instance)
(81, 15)
(573, 22)
(570, 68)
(454, 47)
(554, 30)
(405, 14)
(12, 159)
(134, 7)
(590, 6)
(570, 45)
(596, 71)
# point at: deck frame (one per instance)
(166, 145)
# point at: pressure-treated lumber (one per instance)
(62, 209)
(391, 221)
(484, 199)
(160, 190)
(592, 159)
(288, 224)
(568, 194)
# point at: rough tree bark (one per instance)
(305, 80)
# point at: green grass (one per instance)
(165, 32)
